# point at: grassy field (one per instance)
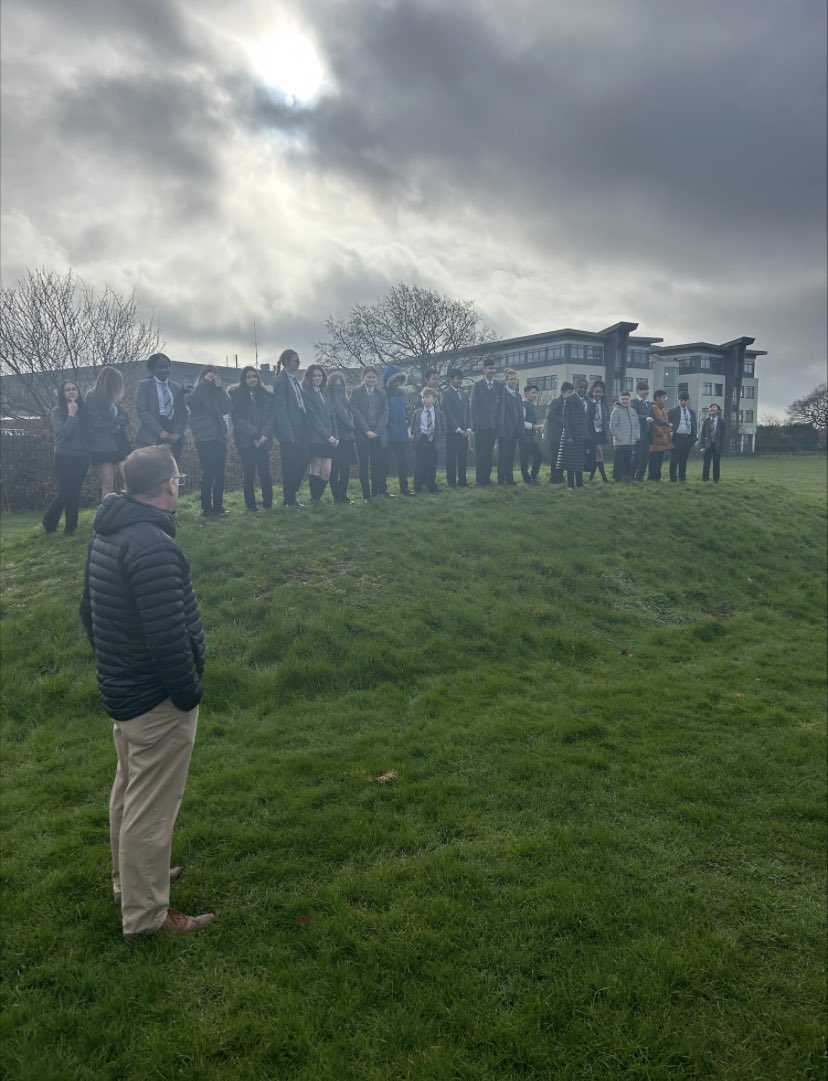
(604, 853)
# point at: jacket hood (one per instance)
(122, 511)
(390, 372)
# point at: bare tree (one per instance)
(812, 409)
(410, 326)
(51, 324)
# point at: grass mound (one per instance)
(602, 854)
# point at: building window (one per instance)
(749, 416)
(741, 416)
(684, 388)
(718, 389)
(748, 367)
(628, 384)
(707, 389)
(638, 358)
(577, 352)
(595, 352)
(750, 392)
(596, 378)
(557, 352)
(577, 377)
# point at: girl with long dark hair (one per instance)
(323, 439)
(108, 440)
(597, 431)
(252, 412)
(209, 405)
(343, 456)
(71, 428)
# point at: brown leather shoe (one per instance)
(176, 874)
(177, 923)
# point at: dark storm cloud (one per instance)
(161, 29)
(164, 124)
(689, 118)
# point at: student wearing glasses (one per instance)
(71, 427)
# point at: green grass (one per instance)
(605, 853)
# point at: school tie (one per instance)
(429, 426)
(297, 391)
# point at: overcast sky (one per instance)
(658, 161)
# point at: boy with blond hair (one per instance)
(428, 433)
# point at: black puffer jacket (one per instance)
(140, 612)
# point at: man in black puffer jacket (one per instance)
(141, 616)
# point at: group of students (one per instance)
(580, 424)
(324, 428)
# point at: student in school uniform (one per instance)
(394, 379)
(252, 413)
(485, 406)
(322, 433)
(290, 423)
(509, 428)
(71, 428)
(428, 433)
(642, 405)
(554, 431)
(712, 442)
(456, 406)
(530, 452)
(162, 412)
(685, 433)
(369, 404)
(597, 431)
(209, 404)
(344, 455)
(571, 453)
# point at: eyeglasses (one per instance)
(178, 476)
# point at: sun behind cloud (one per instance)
(287, 61)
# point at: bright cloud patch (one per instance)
(287, 62)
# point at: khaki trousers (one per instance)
(154, 753)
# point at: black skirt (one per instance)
(320, 450)
(107, 457)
